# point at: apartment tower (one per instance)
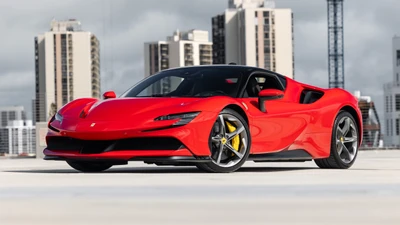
(181, 49)
(10, 113)
(392, 99)
(67, 63)
(253, 33)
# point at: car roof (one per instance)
(239, 67)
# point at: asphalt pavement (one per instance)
(38, 192)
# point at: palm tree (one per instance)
(53, 109)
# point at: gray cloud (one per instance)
(122, 26)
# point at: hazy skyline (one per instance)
(123, 26)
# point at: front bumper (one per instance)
(190, 141)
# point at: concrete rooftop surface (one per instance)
(38, 192)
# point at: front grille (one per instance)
(93, 147)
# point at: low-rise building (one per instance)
(18, 138)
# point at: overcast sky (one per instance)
(124, 25)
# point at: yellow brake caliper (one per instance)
(236, 140)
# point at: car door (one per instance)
(283, 121)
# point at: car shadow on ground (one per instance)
(163, 170)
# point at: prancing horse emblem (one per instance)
(92, 125)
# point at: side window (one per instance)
(258, 82)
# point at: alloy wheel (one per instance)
(346, 140)
(229, 141)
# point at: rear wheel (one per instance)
(229, 143)
(89, 166)
(344, 145)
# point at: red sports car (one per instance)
(214, 117)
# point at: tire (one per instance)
(347, 158)
(235, 146)
(89, 167)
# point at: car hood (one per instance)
(112, 109)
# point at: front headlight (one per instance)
(58, 117)
(184, 118)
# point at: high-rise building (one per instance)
(182, 49)
(33, 111)
(18, 138)
(250, 33)
(11, 113)
(392, 99)
(67, 63)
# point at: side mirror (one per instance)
(268, 94)
(109, 94)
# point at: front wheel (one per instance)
(89, 166)
(229, 143)
(344, 145)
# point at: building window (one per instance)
(397, 127)
(391, 103)
(387, 104)
(391, 127)
(398, 58)
(387, 127)
(398, 102)
(12, 115)
(397, 77)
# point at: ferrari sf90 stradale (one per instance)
(214, 117)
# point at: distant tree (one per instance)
(53, 109)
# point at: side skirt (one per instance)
(283, 156)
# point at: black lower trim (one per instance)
(172, 160)
(283, 156)
(112, 161)
(100, 146)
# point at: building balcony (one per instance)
(207, 54)
(205, 47)
(205, 58)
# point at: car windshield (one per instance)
(189, 82)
